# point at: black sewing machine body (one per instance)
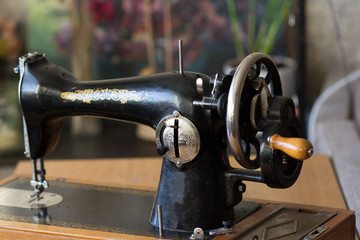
(51, 93)
(190, 113)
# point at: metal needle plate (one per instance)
(12, 197)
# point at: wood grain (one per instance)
(317, 184)
(298, 148)
(19, 231)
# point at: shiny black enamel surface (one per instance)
(99, 208)
(201, 193)
(45, 91)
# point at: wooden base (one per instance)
(317, 184)
(340, 226)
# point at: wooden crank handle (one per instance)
(298, 148)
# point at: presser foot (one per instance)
(39, 187)
(38, 181)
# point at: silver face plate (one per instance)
(12, 197)
(180, 136)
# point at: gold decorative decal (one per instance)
(117, 95)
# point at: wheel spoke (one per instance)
(244, 87)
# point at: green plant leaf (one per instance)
(235, 28)
(275, 27)
(271, 24)
(251, 23)
(270, 10)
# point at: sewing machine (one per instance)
(197, 119)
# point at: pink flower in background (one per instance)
(102, 10)
(120, 31)
(63, 38)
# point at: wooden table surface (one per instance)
(317, 184)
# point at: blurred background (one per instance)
(315, 41)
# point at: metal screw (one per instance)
(32, 54)
(242, 188)
(17, 69)
(200, 85)
(198, 234)
(310, 152)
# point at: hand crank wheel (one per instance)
(237, 125)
